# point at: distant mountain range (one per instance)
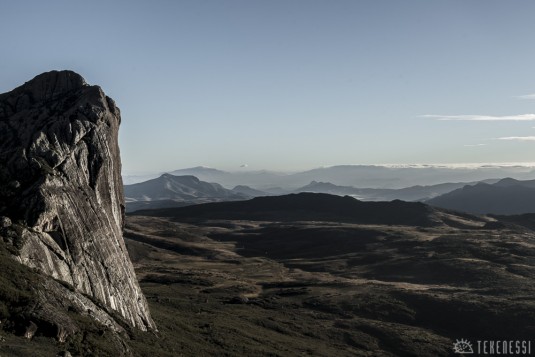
(369, 176)
(505, 197)
(177, 191)
(248, 191)
(172, 191)
(396, 177)
(413, 193)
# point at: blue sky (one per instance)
(290, 85)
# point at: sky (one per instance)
(290, 85)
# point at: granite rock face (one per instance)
(60, 185)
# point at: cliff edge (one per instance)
(61, 194)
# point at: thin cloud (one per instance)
(518, 138)
(519, 117)
(526, 96)
(474, 145)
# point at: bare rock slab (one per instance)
(60, 185)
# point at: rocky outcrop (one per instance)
(61, 194)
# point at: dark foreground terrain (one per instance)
(237, 287)
(243, 287)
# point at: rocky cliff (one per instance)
(61, 194)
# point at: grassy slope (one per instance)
(394, 290)
(371, 289)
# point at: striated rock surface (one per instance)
(61, 194)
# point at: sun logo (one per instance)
(462, 346)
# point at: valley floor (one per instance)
(330, 289)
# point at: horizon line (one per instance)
(472, 165)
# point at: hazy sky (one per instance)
(289, 85)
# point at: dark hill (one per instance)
(308, 207)
(508, 182)
(507, 196)
(526, 220)
(327, 187)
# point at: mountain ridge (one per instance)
(309, 207)
(172, 187)
(411, 193)
(171, 191)
(505, 197)
(362, 176)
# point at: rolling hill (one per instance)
(505, 197)
(295, 275)
(310, 207)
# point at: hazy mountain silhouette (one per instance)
(507, 196)
(202, 172)
(405, 176)
(166, 189)
(368, 176)
(413, 193)
(248, 191)
(256, 179)
(508, 182)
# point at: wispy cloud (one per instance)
(519, 117)
(518, 138)
(474, 145)
(526, 96)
